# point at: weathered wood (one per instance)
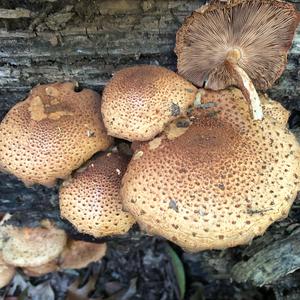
(85, 41)
(270, 263)
(15, 13)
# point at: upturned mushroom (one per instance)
(90, 200)
(139, 101)
(218, 179)
(33, 247)
(51, 133)
(226, 43)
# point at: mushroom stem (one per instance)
(245, 84)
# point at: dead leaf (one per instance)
(125, 294)
(42, 291)
(76, 293)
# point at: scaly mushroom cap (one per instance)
(255, 33)
(76, 255)
(90, 200)
(6, 273)
(218, 182)
(139, 101)
(51, 133)
(79, 254)
(32, 247)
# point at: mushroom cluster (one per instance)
(219, 181)
(205, 173)
(40, 250)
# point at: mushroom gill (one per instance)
(227, 43)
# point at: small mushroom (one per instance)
(51, 133)
(139, 101)
(232, 42)
(76, 255)
(33, 247)
(90, 200)
(220, 181)
(37, 271)
(79, 254)
(7, 273)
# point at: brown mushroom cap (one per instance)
(42, 269)
(90, 200)
(51, 133)
(78, 254)
(6, 273)
(139, 101)
(32, 247)
(257, 33)
(219, 182)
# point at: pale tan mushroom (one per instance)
(76, 255)
(218, 182)
(90, 200)
(232, 42)
(51, 133)
(33, 247)
(7, 273)
(79, 254)
(139, 101)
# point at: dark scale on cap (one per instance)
(225, 158)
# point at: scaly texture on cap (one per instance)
(78, 254)
(139, 101)
(32, 247)
(218, 182)
(90, 200)
(255, 33)
(6, 273)
(51, 133)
